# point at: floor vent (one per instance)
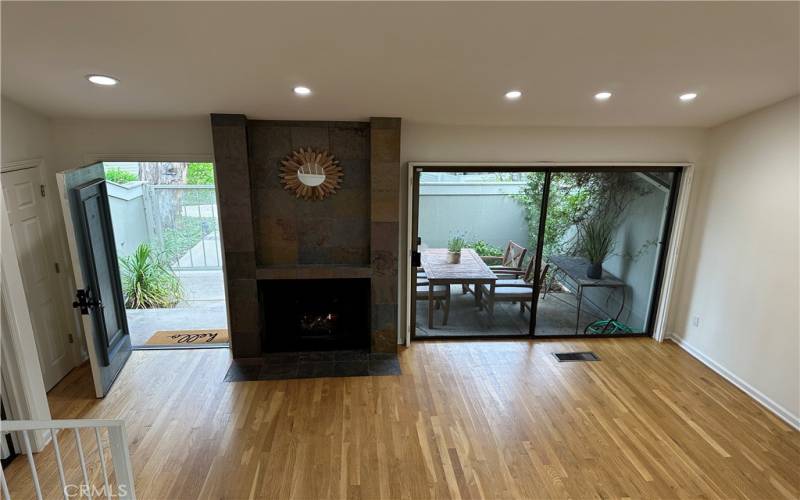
(576, 356)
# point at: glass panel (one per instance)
(488, 211)
(614, 220)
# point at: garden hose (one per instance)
(607, 326)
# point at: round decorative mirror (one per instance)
(311, 175)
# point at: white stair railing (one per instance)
(120, 456)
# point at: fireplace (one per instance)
(315, 314)
(271, 237)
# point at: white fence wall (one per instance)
(127, 204)
(484, 211)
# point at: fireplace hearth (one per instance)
(315, 314)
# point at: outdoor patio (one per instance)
(203, 307)
(556, 317)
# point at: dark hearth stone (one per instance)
(351, 356)
(351, 368)
(243, 370)
(280, 358)
(316, 357)
(278, 371)
(384, 367)
(316, 369)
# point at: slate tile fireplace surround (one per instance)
(274, 242)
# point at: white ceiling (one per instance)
(438, 63)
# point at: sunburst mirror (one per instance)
(311, 175)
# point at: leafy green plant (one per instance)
(574, 198)
(484, 249)
(120, 176)
(148, 282)
(200, 173)
(456, 243)
(597, 239)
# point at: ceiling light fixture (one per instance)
(513, 94)
(602, 96)
(104, 80)
(300, 90)
(689, 96)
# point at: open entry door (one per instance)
(94, 260)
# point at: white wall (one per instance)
(739, 265)
(27, 135)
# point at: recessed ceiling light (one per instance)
(102, 80)
(302, 90)
(602, 96)
(689, 96)
(513, 94)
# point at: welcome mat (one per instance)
(189, 337)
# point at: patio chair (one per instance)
(441, 296)
(514, 290)
(511, 263)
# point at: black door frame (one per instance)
(666, 237)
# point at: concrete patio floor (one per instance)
(203, 307)
(556, 316)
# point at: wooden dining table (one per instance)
(471, 270)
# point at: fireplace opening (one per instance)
(315, 314)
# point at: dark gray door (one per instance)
(101, 296)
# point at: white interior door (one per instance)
(30, 228)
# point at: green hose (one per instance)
(607, 326)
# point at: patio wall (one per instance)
(482, 211)
(127, 204)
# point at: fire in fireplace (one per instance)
(315, 314)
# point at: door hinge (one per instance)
(58, 269)
(41, 189)
(70, 338)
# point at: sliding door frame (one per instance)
(666, 262)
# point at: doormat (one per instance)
(189, 337)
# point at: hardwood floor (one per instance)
(465, 420)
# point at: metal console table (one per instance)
(574, 268)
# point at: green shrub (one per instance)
(484, 249)
(120, 176)
(147, 281)
(200, 173)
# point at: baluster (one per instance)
(83, 460)
(6, 494)
(59, 463)
(102, 462)
(27, 443)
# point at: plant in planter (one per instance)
(597, 242)
(454, 246)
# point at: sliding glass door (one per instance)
(543, 251)
(603, 243)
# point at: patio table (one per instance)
(471, 270)
(574, 268)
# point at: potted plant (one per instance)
(454, 246)
(597, 242)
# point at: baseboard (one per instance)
(748, 389)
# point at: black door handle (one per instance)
(83, 301)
